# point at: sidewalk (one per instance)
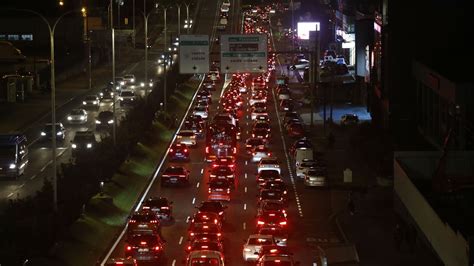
(17, 117)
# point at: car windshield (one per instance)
(271, 231)
(174, 170)
(91, 98)
(277, 263)
(77, 112)
(271, 194)
(255, 142)
(269, 173)
(269, 161)
(149, 240)
(49, 127)
(260, 241)
(7, 151)
(205, 262)
(222, 170)
(219, 184)
(127, 93)
(200, 108)
(206, 245)
(106, 114)
(211, 206)
(186, 134)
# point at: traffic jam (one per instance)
(236, 122)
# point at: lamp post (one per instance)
(292, 25)
(165, 100)
(179, 18)
(114, 98)
(187, 16)
(52, 29)
(133, 23)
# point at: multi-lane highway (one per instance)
(308, 212)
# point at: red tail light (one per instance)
(228, 191)
(185, 150)
(207, 149)
(231, 165)
(165, 208)
(157, 248)
(191, 234)
(210, 190)
(189, 247)
(235, 150)
(219, 234)
(132, 221)
(260, 222)
(269, 154)
(253, 135)
(146, 208)
(154, 221)
(214, 165)
(128, 248)
(171, 150)
(283, 223)
(143, 243)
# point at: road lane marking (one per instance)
(245, 189)
(197, 185)
(174, 263)
(43, 168)
(202, 171)
(33, 177)
(244, 225)
(180, 240)
(246, 162)
(187, 219)
(22, 185)
(245, 206)
(292, 179)
(11, 194)
(245, 175)
(194, 200)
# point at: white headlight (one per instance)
(43, 134)
(84, 103)
(111, 121)
(150, 84)
(97, 122)
(94, 102)
(89, 145)
(74, 146)
(69, 118)
(142, 84)
(82, 117)
(12, 166)
(59, 133)
(122, 83)
(133, 80)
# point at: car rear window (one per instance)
(260, 241)
(205, 262)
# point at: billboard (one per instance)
(305, 27)
(193, 54)
(244, 53)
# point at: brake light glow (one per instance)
(283, 223)
(146, 208)
(165, 208)
(207, 149)
(143, 243)
(260, 222)
(129, 248)
(132, 221)
(185, 150)
(154, 221)
(157, 248)
(171, 150)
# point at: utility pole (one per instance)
(133, 23)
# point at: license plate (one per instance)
(221, 177)
(173, 179)
(142, 226)
(219, 189)
(143, 250)
(178, 154)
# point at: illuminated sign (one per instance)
(305, 27)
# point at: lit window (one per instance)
(13, 37)
(26, 37)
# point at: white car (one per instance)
(129, 78)
(187, 137)
(91, 100)
(277, 259)
(77, 116)
(302, 64)
(201, 111)
(258, 111)
(127, 97)
(270, 163)
(253, 245)
(304, 166)
(260, 152)
(257, 99)
(279, 234)
(225, 8)
(315, 178)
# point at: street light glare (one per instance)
(61, 3)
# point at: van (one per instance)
(205, 257)
(13, 155)
(301, 154)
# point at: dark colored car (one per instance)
(219, 189)
(143, 222)
(83, 143)
(295, 130)
(147, 247)
(179, 151)
(213, 206)
(104, 120)
(162, 207)
(267, 176)
(174, 175)
(46, 132)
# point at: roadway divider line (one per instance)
(244, 225)
(292, 179)
(154, 177)
(245, 173)
(173, 263)
(197, 185)
(245, 206)
(202, 171)
(245, 189)
(180, 240)
(194, 200)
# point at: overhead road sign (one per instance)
(244, 53)
(193, 54)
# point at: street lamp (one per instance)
(179, 18)
(145, 19)
(187, 17)
(52, 30)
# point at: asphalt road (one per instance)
(309, 209)
(40, 158)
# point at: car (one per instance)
(204, 229)
(223, 172)
(91, 101)
(219, 189)
(277, 185)
(187, 137)
(290, 115)
(209, 85)
(260, 152)
(179, 151)
(295, 130)
(261, 105)
(300, 143)
(127, 97)
(162, 207)
(253, 245)
(267, 207)
(272, 259)
(252, 143)
(129, 78)
(257, 99)
(119, 81)
(202, 103)
(283, 94)
(349, 119)
(267, 175)
(303, 153)
(204, 258)
(206, 217)
(291, 121)
(143, 222)
(258, 111)
(271, 195)
(270, 163)
(196, 119)
(106, 94)
(47, 131)
(262, 118)
(286, 105)
(121, 261)
(201, 111)
(146, 247)
(228, 161)
(261, 133)
(279, 234)
(272, 219)
(226, 3)
(83, 142)
(204, 244)
(307, 164)
(300, 64)
(212, 206)
(315, 178)
(225, 8)
(77, 116)
(175, 175)
(104, 120)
